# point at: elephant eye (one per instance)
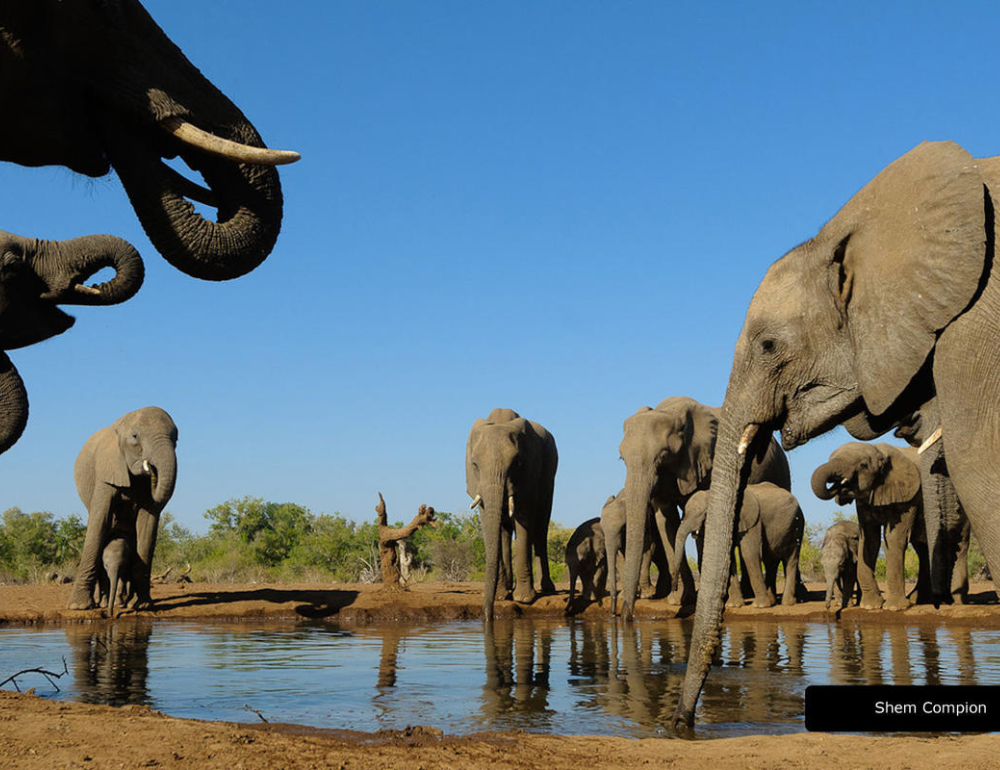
(767, 346)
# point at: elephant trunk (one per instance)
(638, 491)
(822, 478)
(163, 462)
(733, 449)
(64, 266)
(13, 404)
(491, 516)
(676, 557)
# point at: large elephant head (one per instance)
(667, 453)
(35, 278)
(97, 84)
(144, 444)
(876, 474)
(841, 330)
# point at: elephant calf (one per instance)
(770, 529)
(587, 559)
(116, 579)
(839, 556)
(883, 481)
(613, 527)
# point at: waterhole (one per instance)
(564, 678)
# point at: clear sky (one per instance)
(561, 207)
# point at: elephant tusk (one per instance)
(748, 435)
(510, 506)
(477, 501)
(145, 465)
(216, 145)
(930, 441)
(79, 288)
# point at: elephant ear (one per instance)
(901, 477)
(471, 477)
(702, 428)
(109, 465)
(750, 512)
(907, 254)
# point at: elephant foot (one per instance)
(896, 603)
(525, 597)
(788, 598)
(734, 602)
(870, 603)
(958, 598)
(548, 587)
(675, 598)
(763, 603)
(647, 592)
(80, 600)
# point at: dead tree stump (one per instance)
(388, 537)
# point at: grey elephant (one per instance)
(510, 471)
(883, 481)
(668, 455)
(587, 560)
(125, 475)
(116, 580)
(947, 527)
(769, 531)
(98, 85)
(893, 303)
(35, 278)
(613, 527)
(839, 557)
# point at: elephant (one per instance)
(894, 302)
(839, 557)
(98, 85)
(587, 559)
(116, 558)
(125, 475)
(510, 471)
(668, 457)
(36, 277)
(883, 481)
(769, 529)
(946, 525)
(613, 526)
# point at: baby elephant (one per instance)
(839, 557)
(586, 559)
(770, 529)
(117, 559)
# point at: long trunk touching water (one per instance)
(728, 484)
(638, 490)
(490, 516)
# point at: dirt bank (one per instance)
(356, 602)
(36, 733)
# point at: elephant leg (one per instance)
(788, 591)
(896, 538)
(146, 527)
(541, 547)
(750, 547)
(735, 593)
(505, 582)
(667, 521)
(960, 568)
(923, 589)
(868, 547)
(572, 584)
(646, 589)
(524, 589)
(98, 527)
(600, 582)
(612, 542)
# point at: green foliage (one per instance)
(33, 542)
(557, 539)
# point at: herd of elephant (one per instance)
(888, 319)
(668, 455)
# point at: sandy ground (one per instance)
(36, 733)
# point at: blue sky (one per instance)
(562, 208)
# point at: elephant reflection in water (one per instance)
(518, 661)
(110, 662)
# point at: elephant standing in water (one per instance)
(125, 475)
(883, 481)
(896, 301)
(769, 530)
(98, 85)
(668, 457)
(510, 471)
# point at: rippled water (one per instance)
(578, 677)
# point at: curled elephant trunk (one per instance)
(65, 266)
(823, 479)
(163, 471)
(13, 404)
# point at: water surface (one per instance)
(575, 677)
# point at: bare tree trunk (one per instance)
(388, 537)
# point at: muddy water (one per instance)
(581, 677)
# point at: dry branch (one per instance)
(50, 675)
(389, 537)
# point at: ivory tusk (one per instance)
(510, 506)
(216, 145)
(931, 439)
(747, 439)
(145, 465)
(477, 501)
(79, 288)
